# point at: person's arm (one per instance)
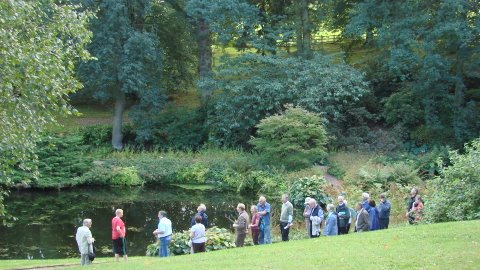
(192, 233)
(89, 237)
(290, 214)
(255, 223)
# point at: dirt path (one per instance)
(337, 183)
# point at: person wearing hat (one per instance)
(306, 214)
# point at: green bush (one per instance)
(179, 128)
(375, 175)
(217, 239)
(456, 191)
(313, 187)
(125, 177)
(295, 138)
(115, 176)
(101, 135)
(195, 174)
(62, 159)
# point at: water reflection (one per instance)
(47, 220)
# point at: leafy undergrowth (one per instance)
(453, 245)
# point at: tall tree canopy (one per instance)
(426, 60)
(40, 42)
(128, 65)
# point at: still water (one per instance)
(47, 220)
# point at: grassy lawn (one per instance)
(453, 245)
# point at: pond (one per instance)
(47, 220)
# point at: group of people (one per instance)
(366, 216)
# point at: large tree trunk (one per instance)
(307, 29)
(205, 53)
(304, 29)
(117, 136)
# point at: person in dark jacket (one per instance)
(411, 201)
(343, 215)
(373, 214)
(201, 212)
(384, 212)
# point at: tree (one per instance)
(424, 65)
(252, 87)
(295, 138)
(128, 65)
(456, 190)
(40, 42)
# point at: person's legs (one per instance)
(284, 231)
(261, 236)
(266, 235)
(240, 240)
(163, 247)
(84, 259)
(255, 237)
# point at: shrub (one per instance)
(381, 176)
(295, 138)
(194, 174)
(61, 160)
(217, 239)
(456, 191)
(313, 187)
(116, 176)
(101, 135)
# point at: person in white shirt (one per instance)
(85, 241)
(197, 234)
(164, 233)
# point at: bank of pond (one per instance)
(46, 220)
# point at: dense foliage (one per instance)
(313, 187)
(296, 138)
(40, 42)
(252, 87)
(217, 239)
(456, 191)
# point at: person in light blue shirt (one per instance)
(264, 226)
(164, 233)
(331, 227)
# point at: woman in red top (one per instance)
(254, 225)
(118, 236)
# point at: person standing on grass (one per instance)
(343, 214)
(362, 222)
(315, 219)
(164, 233)
(373, 214)
(384, 212)
(416, 210)
(118, 236)
(201, 211)
(197, 234)
(306, 214)
(331, 227)
(264, 228)
(85, 241)
(286, 217)
(411, 201)
(254, 225)
(241, 225)
(353, 214)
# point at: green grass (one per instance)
(453, 245)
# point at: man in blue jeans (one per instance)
(164, 233)
(264, 226)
